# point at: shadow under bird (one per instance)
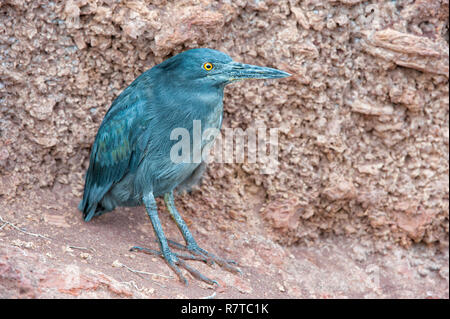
(130, 162)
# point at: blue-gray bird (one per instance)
(130, 162)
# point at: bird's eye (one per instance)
(208, 66)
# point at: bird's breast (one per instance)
(209, 108)
(214, 118)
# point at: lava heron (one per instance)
(130, 162)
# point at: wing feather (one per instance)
(114, 148)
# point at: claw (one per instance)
(177, 270)
(196, 274)
(174, 260)
(148, 250)
(210, 258)
(158, 253)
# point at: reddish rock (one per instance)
(413, 219)
(283, 214)
(340, 189)
(24, 274)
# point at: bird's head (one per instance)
(208, 67)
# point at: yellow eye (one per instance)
(208, 66)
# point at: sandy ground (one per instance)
(48, 251)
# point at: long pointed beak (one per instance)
(239, 71)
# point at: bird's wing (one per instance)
(115, 148)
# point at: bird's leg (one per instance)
(191, 244)
(172, 259)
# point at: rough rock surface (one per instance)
(363, 138)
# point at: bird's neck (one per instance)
(195, 101)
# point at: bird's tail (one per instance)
(88, 210)
(91, 205)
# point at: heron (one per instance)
(130, 162)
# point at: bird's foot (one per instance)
(207, 257)
(175, 261)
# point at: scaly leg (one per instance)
(172, 259)
(191, 244)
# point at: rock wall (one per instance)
(363, 122)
